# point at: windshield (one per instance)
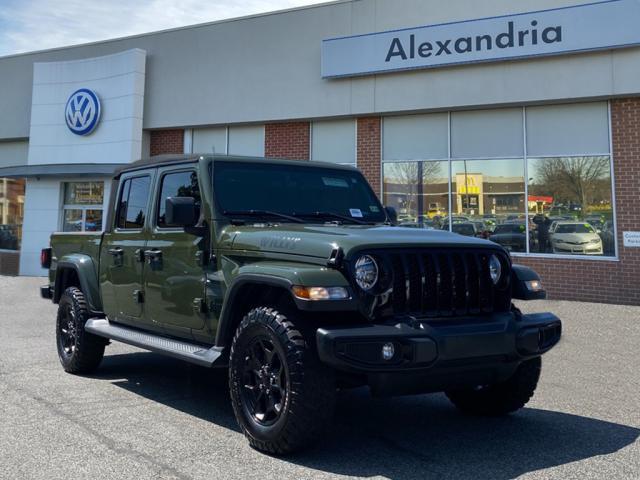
(575, 228)
(311, 194)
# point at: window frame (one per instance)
(83, 207)
(116, 213)
(525, 158)
(158, 196)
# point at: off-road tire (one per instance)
(88, 349)
(500, 398)
(310, 399)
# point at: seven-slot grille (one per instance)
(442, 283)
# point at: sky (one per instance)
(28, 25)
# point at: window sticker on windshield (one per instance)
(335, 182)
(355, 212)
(374, 209)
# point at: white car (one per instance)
(575, 238)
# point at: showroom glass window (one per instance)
(11, 213)
(82, 206)
(536, 180)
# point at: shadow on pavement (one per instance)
(400, 438)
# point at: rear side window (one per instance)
(178, 184)
(132, 205)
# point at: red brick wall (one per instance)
(290, 140)
(369, 148)
(166, 141)
(607, 281)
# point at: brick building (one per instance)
(486, 113)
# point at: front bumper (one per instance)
(439, 355)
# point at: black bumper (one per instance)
(45, 292)
(439, 355)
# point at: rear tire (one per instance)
(282, 396)
(500, 398)
(78, 351)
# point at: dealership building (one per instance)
(515, 117)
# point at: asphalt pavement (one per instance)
(142, 416)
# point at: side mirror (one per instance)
(392, 214)
(181, 212)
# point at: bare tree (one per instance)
(412, 177)
(572, 178)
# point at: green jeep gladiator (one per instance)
(293, 276)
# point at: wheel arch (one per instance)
(78, 271)
(250, 291)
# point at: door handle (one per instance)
(153, 255)
(116, 252)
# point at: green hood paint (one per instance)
(314, 240)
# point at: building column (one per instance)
(369, 151)
(291, 140)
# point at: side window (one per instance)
(132, 205)
(179, 184)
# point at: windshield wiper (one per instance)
(262, 213)
(332, 215)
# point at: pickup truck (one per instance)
(294, 277)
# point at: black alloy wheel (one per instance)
(265, 381)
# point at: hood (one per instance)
(575, 238)
(320, 240)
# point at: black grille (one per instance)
(443, 283)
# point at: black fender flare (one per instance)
(231, 303)
(85, 271)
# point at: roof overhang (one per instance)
(60, 170)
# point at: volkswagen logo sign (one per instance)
(82, 112)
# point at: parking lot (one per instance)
(147, 417)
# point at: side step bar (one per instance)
(188, 352)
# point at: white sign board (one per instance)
(631, 239)
(595, 26)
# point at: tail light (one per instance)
(45, 258)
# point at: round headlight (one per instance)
(366, 272)
(495, 269)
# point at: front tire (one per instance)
(500, 398)
(79, 351)
(282, 396)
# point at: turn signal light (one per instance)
(534, 285)
(320, 293)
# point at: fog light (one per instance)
(388, 351)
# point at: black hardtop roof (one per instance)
(161, 160)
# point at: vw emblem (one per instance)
(82, 112)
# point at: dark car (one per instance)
(512, 236)
(467, 229)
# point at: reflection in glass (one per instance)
(83, 193)
(419, 192)
(72, 220)
(93, 221)
(570, 203)
(490, 195)
(11, 213)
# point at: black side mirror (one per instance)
(392, 214)
(181, 212)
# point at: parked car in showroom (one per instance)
(512, 236)
(576, 238)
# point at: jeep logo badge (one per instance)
(82, 112)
